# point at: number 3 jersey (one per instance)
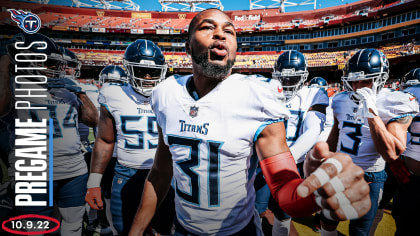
(211, 141)
(413, 146)
(355, 138)
(135, 124)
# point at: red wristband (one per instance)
(283, 178)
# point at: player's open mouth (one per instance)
(218, 51)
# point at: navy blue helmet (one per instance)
(366, 64)
(410, 79)
(291, 70)
(318, 82)
(39, 48)
(113, 74)
(145, 64)
(73, 65)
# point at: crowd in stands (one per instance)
(245, 60)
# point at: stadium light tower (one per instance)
(189, 5)
(105, 4)
(282, 4)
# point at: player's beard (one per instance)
(212, 70)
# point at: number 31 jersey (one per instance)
(355, 138)
(211, 141)
(135, 123)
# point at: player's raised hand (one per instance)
(337, 183)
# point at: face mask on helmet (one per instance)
(366, 64)
(290, 70)
(73, 65)
(145, 65)
(145, 75)
(410, 79)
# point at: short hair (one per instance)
(194, 21)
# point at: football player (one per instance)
(66, 104)
(370, 124)
(127, 120)
(319, 82)
(307, 106)
(208, 123)
(406, 205)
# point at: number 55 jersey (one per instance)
(355, 138)
(135, 124)
(211, 141)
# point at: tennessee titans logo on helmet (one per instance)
(28, 22)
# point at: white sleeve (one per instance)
(312, 127)
(393, 105)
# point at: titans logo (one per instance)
(28, 22)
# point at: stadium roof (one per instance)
(228, 5)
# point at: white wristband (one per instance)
(94, 180)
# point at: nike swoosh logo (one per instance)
(279, 89)
(412, 98)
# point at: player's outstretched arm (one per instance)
(155, 188)
(101, 155)
(88, 113)
(5, 94)
(395, 145)
(390, 140)
(312, 127)
(311, 164)
(343, 197)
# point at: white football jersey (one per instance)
(92, 92)
(298, 106)
(135, 123)
(62, 108)
(329, 122)
(413, 146)
(211, 141)
(355, 138)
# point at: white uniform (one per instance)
(135, 123)
(92, 92)
(62, 108)
(211, 141)
(355, 138)
(298, 106)
(329, 122)
(413, 147)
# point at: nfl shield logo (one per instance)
(193, 111)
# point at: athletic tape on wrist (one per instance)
(337, 185)
(94, 180)
(322, 176)
(350, 212)
(336, 163)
